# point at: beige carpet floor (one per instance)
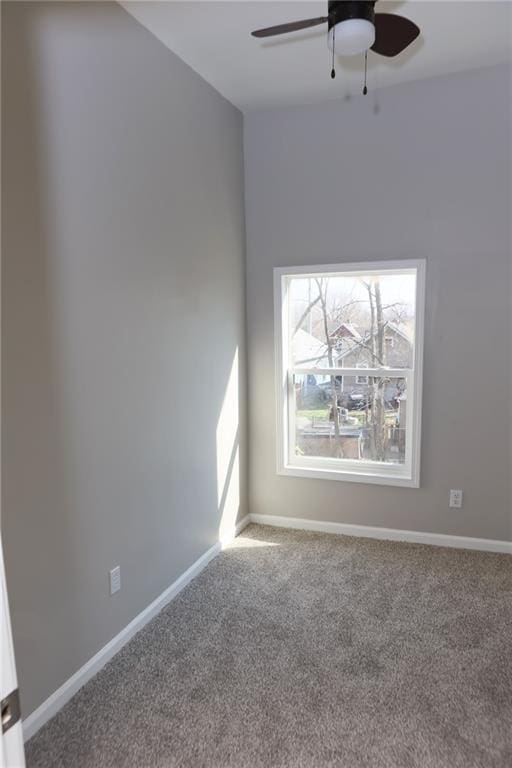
(297, 649)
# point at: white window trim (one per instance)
(380, 473)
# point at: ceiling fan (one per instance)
(354, 27)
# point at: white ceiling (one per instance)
(214, 39)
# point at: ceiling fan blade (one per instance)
(393, 34)
(293, 26)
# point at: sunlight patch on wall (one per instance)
(228, 463)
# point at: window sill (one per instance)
(367, 475)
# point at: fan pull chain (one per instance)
(333, 71)
(365, 89)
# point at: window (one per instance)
(334, 422)
(362, 379)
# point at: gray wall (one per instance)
(417, 170)
(123, 310)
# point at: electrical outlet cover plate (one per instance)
(456, 499)
(115, 580)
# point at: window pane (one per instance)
(352, 322)
(339, 418)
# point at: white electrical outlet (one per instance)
(456, 499)
(115, 580)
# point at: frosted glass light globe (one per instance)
(351, 36)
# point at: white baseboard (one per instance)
(390, 534)
(62, 695)
(243, 523)
(227, 535)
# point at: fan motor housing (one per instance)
(341, 10)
